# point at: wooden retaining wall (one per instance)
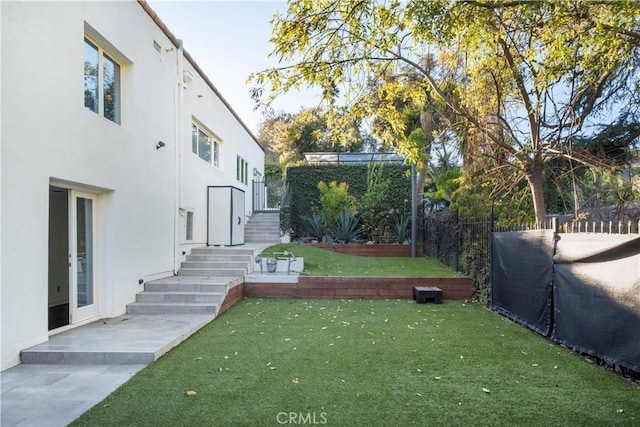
(359, 288)
(377, 250)
(234, 295)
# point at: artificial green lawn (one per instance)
(367, 363)
(323, 262)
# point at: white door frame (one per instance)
(83, 264)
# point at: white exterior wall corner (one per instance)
(205, 106)
(48, 136)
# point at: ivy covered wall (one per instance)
(303, 194)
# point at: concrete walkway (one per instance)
(73, 380)
(74, 370)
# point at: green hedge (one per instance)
(304, 196)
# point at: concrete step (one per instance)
(171, 308)
(130, 339)
(215, 264)
(179, 297)
(261, 234)
(272, 240)
(182, 287)
(261, 230)
(212, 272)
(220, 257)
(214, 250)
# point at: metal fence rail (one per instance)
(267, 196)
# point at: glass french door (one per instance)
(83, 304)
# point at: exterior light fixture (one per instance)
(159, 145)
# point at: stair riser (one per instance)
(181, 287)
(170, 309)
(179, 298)
(206, 272)
(86, 358)
(221, 258)
(215, 264)
(221, 251)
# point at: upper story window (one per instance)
(204, 145)
(242, 170)
(101, 82)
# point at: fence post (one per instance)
(491, 255)
(414, 209)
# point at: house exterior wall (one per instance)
(50, 138)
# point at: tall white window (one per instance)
(242, 170)
(204, 145)
(101, 82)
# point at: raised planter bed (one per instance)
(375, 249)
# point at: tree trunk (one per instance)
(427, 123)
(534, 178)
(421, 178)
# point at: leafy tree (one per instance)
(286, 137)
(527, 78)
(373, 212)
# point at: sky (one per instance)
(229, 40)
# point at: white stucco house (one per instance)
(111, 135)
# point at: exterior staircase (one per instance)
(200, 286)
(263, 227)
(166, 313)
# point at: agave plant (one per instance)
(401, 228)
(346, 229)
(317, 229)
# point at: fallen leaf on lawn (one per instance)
(106, 405)
(418, 394)
(486, 390)
(555, 367)
(420, 370)
(534, 364)
(198, 358)
(272, 367)
(437, 378)
(190, 393)
(620, 411)
(461, 357)
(295, 381)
